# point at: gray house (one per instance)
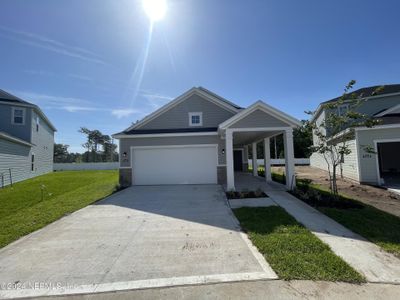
(382, 168)
(201, 138)
(26, 140)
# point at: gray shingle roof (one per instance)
(4, 96)
(369, 91)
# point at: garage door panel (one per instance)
(174, 165)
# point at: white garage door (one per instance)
(174, 165)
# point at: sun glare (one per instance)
(155, 9)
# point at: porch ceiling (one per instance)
(248, 137)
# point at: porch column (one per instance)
(230, 179)
(267, 160)
(255, 166)
(289, 158)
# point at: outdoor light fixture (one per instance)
(124, 154)
(223, 151)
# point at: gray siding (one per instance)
(368, 162)
(259, 118)
(17, 158)
(21, 131)
(350, 165)
(178, 116)
(125, 144)
(43, 148)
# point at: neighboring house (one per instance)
(383, 166)
(200, 138)
(26, 140)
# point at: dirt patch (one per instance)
(375, 196)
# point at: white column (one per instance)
(255, 166)
(230, 179)
(267, 160)
(289, 158)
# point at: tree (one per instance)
(60, 153)
(96, 138)
(302, 140)
(337, 129)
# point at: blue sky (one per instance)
(81, 60)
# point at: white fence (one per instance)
(277, 162)
(85, 166)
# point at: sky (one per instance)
(101, 64)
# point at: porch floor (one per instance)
(246, 181)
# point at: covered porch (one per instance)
(257, 124)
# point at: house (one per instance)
(26, 140)
(201, 138)
(383, 166)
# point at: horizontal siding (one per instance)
(178, 116)
(43, 148)
(350, 165)
(368, 162)
(14, 157)
(259, 118)
(125, 144)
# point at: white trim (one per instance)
(376, 142)
(265, 108)
(13, 109)
(191, 114)
(132, 148)
(388, 126)
(358, 156)
(14, 139)
(320, 106)
(180, 99)
(388, 111)
(152, 135)
(258, 129)
(174, 146)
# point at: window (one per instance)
(342, 109)
(18, 116)
(33, 162)
(37, 123)
(195, 119)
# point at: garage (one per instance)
(178, 164)
(389, 162)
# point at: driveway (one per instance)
(146, 236)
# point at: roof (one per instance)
(13, 139)
(370, 91)
(177, 130)
(14, 100)
(365, 92)
(291, 121)
(394, 110)
(206, 94)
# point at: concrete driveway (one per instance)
(141, 237)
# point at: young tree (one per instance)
(337, 129)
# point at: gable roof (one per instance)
(8, 98)
(394, 110)
(200, 91)
(366, 92)
(370, 92)
(291, 121)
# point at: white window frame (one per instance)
(200, 114)
(13, 113)
(342, 106)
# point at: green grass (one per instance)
(23, 211)
(375, 225)
(292, 250)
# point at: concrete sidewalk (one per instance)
(367, 258)
(273, 289)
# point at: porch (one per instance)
(246, 181)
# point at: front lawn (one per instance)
(23, 209)
(373, 224)
(292, 250)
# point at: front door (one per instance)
(238, 160)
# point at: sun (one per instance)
(155, 9)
